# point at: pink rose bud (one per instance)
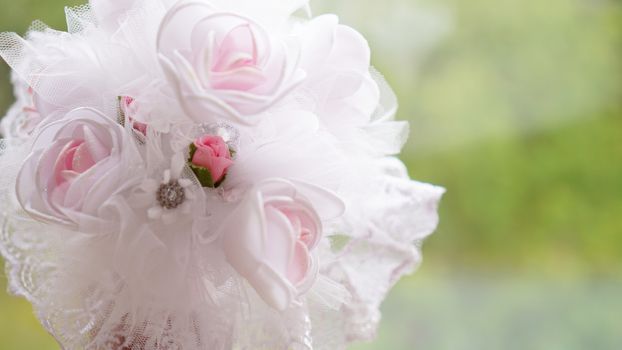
(211, 153)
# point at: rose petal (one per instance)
(236, 50)
(299, 265)
(82, 159)
(279, 240)
(64, 160)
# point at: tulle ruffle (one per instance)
(145, 283)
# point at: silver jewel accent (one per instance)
(229, 134)
(171, 195)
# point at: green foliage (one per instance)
(204, 176)
(546, 202)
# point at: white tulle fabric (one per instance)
(315, 139)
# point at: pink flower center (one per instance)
(74, 159)
(238, 49)
(300, 264)
(236, 61)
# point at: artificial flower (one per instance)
(223, 64)
(269, 239)
(75, 166)
(166, 197)
(210, 157)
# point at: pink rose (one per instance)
(75, 166)
(270, 237)
(129, 109)
(223, 64)
(32, 118)
(210, 153)
(22, 119)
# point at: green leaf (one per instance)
(193, 149)
(203, 175)
(338, 242)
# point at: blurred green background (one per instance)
(516, 108)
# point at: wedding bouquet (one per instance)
(204, 174)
